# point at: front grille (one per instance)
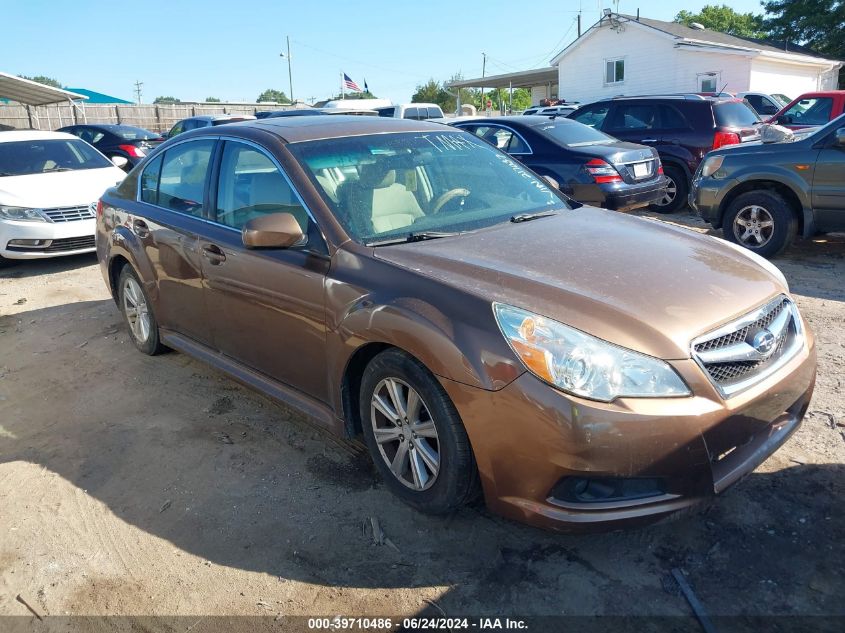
(71, 214)
(744, 352)
(70, 244)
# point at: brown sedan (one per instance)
(413, 284)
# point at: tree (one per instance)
(47, 81)
(166, 100)
(275, 96)
(212, 100)
(816, 24)
(725, 20)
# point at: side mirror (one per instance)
(839, 137)
(552, 182)
(119, 161)
(276, 230)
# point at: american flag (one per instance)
(347, 80)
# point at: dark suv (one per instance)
(682, 128)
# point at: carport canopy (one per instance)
(33, 93)
(521, 79)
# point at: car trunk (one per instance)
(635, 163)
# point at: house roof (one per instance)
(31, 92)
(688, 36)
(522, 79)
(97, 97)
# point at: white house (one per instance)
(627, 55)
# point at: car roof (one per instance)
(296, 129)
(34, 135)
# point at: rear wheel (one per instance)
(676, 191)
(415, 436)
(761, 221)
(137, 310)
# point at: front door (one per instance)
(172, 211)
(265, 306)
(829, 186)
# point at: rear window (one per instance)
(573, 134)
(387, 112)
(129, 133)
(734, 114)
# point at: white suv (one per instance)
(49, 186)
(416, 111)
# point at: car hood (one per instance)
(638, 283)
(58, 189)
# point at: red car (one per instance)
(811, 109)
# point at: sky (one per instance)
(192, 49)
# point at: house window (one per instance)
(708, 84)
(614, 71)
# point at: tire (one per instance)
(760, 215)
(677, 180)
(438, 432)
(131, 293)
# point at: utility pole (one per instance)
(483, 74)
(290, 74)
(138, 85)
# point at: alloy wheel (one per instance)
(405, 433)
(669, 195)
(753, 226)
(136, 310)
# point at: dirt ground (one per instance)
(140, 486)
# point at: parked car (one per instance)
(764, 194)
(132, 143)
(271, 114)
(763, 104)
(589, 166)
(49, 185)
(682, 128)
(405, 281)
(415, 111)
(196, 122)
(535, 109)
(558, 110)
(811, 109)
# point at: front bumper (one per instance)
(58, 238)
(706, 196)
(528, 438)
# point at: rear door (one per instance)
(635, 122)
(175, 209)
(266, 306)
(829, 186)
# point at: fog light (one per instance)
(32, 243)
(606, 489)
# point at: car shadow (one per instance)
(179, 451)
(23, 268)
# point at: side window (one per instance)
(672, 119)
(176, 129)
(183, 174)
(634, 116)
(813, 111)
(251, 185)
(149, 181)
(387, 112)
(501, 138)
(434, 113)
(592, 115)
(411, 113)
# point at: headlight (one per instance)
(21, 213)
(581, 364)
(711, 165)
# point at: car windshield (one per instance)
(393, 185)
(20, 158)
(129, 133)
(814, 111)
(734, 114)
(573, 134)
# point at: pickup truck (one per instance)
(764, 194)
(811, 109)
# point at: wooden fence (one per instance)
(158, 118)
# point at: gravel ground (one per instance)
(140, 486)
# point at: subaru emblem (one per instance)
(764, 343)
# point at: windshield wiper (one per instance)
(414, 237)
(56, 169)
(525, 217)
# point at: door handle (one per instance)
(140, 228)
(649, 140)
(214, 254)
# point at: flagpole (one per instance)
(342, 91)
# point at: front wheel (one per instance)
(137, 310)
(761, 221)
(415, 436)
(676, 192)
